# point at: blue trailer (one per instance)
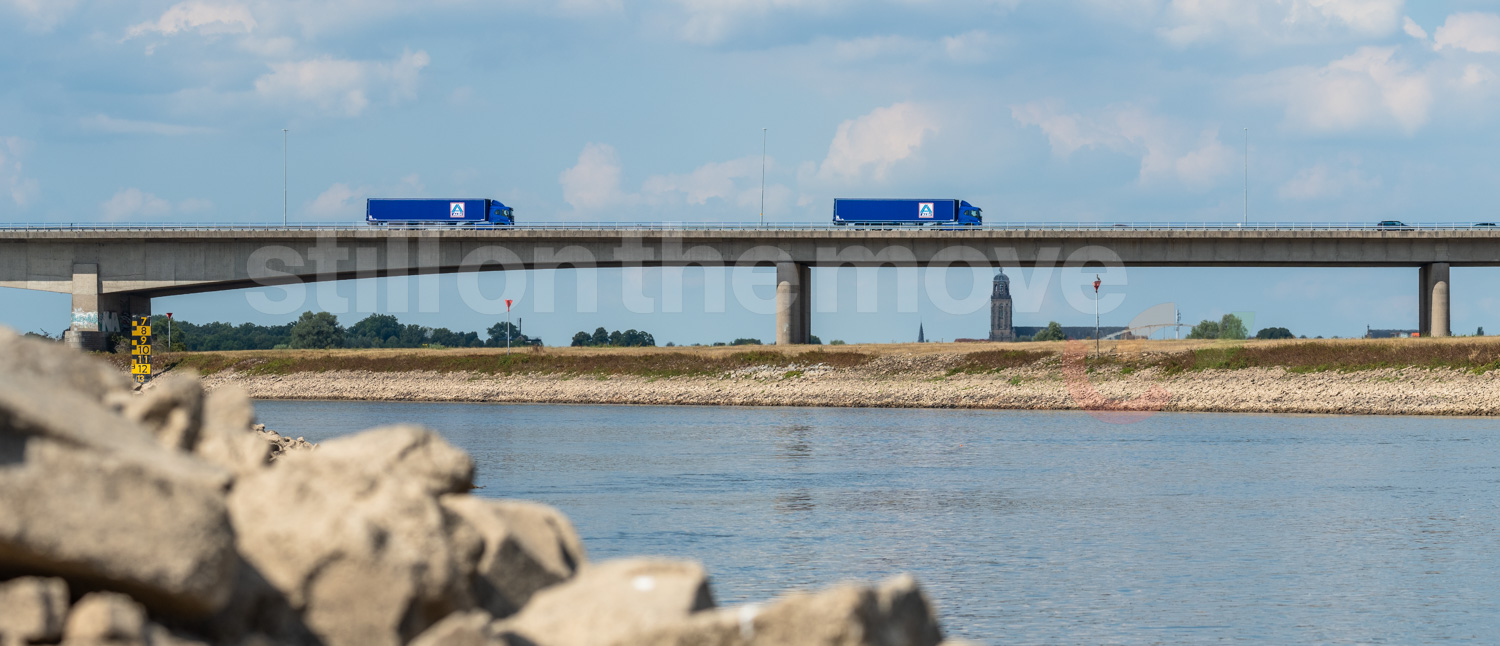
(905, 212)
(380, 211)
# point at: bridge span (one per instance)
(113, 272)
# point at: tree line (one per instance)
(321, 330)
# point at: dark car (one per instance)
(1484, 224)
(1393, 225)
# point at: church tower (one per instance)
(1000, 321)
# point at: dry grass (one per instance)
(663, 362)
(1473, 354)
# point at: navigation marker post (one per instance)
(169, 331)
(140, 350)
(507, 325)
(1096, 316)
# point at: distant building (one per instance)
(1387, 334)
(921, 336)
(1000, 309)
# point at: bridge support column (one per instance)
(1435, 306)
(793, 303)
(97, 315)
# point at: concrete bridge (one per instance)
(114, 272)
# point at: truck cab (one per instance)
(969, 214)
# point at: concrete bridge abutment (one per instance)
(97, 315)
(793, 303)
(1434, 308)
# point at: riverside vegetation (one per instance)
(1455, 376)
(163, 516)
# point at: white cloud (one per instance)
(1413, 29)
(196, 15)
(869, 145)
(104, 123)
(735, 181)
(22, 189)
(341, 86)
(1189, 22)
(1321, 181)
(342, 201)
(133, 202)
(1367, 89)
(43, 15)
(1475, 75)
(1475, 32)
(969, 47)
(1168, 152)
(706, 22)
(594, 182)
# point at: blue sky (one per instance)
(600, 110)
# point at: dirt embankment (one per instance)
(1433, 377)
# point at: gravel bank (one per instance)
(924, 382)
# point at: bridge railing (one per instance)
(755, 226)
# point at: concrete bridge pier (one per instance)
(1433, 298)
(793, 303)
(97, 315)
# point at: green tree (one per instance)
(1053, 332)
(582, 339)
(1231, 327)
(502, 331)
(814, 340)
(601, 337)
(317, 331)
(745, 341)
(1204, 330)
(373, 330)
(1480, 331)
(1275, 333)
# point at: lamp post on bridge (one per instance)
(283, 178)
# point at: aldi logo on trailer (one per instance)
(924, 210)
(456, 209)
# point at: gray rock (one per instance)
(466, 628)
(46, 362)
(106, 618)
(406, 452)
(172, 410)
(353, 537)
(226, 439)
(527, 547)
(609, 602)
(91, 497)
(32, 609)
(894, 614)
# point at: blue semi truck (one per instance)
(905, 212)
(386, 211)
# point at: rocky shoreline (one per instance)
(927, 382)
(158, 517)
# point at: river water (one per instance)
(1024, 527)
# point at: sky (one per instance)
(603, 110)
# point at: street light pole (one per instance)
(1247, 176)
(283, 177)
(763, 177)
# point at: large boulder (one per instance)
(226, 438)
(609, 602)
(527, 547)
(466, 628)
(102, 618)
(894, 614)
(47, 362)
(172, 409)
(90, 496)
(353, 537)
(32, 610)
